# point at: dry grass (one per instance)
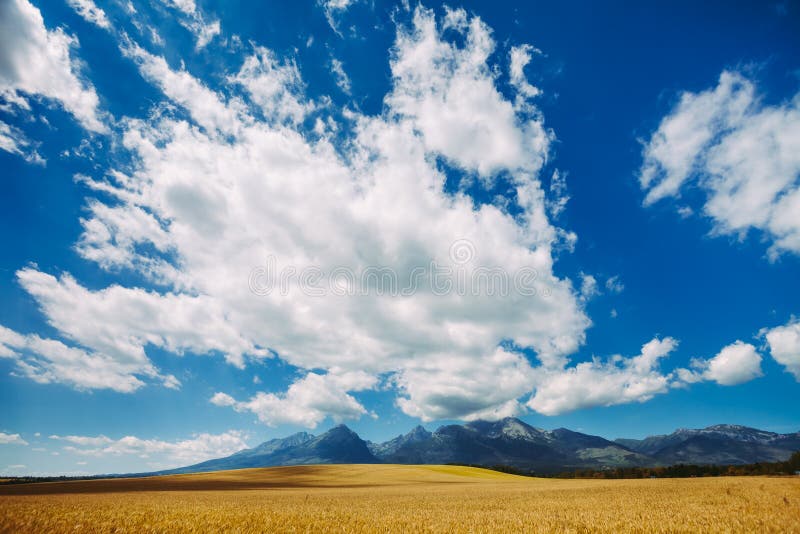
(360, 498)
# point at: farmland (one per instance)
(395, 498)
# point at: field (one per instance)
(394, 498)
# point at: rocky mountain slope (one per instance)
(511, 442)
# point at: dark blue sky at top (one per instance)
(608, 71)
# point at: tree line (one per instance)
(789, 467)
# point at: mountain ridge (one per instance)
(514, 443)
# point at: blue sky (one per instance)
(156, 156)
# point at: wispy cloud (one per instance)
(11, 439)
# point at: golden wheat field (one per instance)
(395, 498)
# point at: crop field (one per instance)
(395, 498)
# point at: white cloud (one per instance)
(308, 401)
(35, 61)
(334, 9)
(212, 197)
(14, 140)
(11, 439)
(119, 322)
(743, 154)
(618, 380)
(205, 31)
(196, 449)
(614, 284)
(342, 79)
(207, 107)
(89, 11)
(449, 95)
(187, 6)
(519, 58)
(111, 234)
(450, 386)
(559, 196)
(194, 21)
(84, 441)
(589, 288)
(275, 87)
(47, 361)
(671, 156)
(784, 346)
(735, 364)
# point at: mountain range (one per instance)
(514, 443)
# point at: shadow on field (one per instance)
(312, 476)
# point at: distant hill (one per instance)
(514, 443)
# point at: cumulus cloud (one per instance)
(450, 386)
(235, 181)
(735, 364)
(118, 322)
(50, 361)
(618, 380)
(35, 61)
(308, 401)
(449, 94)
(11, 439)
(784, 346)
(743, 154)
(196, 449)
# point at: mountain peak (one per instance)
(511, 421)
(340, 433)
(726, 427)
(300, 435)
(514, 427)
(508, 427)
(417, 432)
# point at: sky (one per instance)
(225, 222)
